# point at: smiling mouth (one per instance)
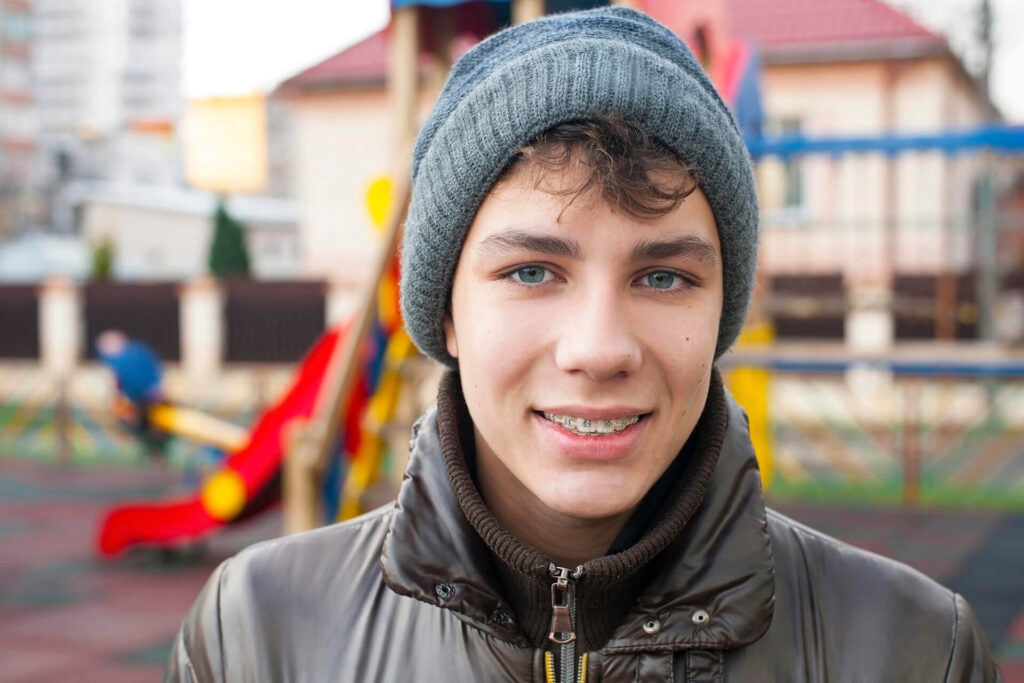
(587, 427)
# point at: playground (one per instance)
(882, 371)
(108, 536)
(66, 614)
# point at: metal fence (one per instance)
(19, 322)
(272, 321)
(914, 428)
(807, 306)
(262, 321)
(145, 311)
(928, 228)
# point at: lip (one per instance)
(592, 413)
(582, 447)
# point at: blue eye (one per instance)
(531, 275)
(661, 279)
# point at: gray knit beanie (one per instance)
(526, 79)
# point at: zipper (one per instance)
(563, 629)
(549, 668)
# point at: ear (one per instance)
(450, 342)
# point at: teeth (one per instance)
(579, 425)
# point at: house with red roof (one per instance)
(830, 67)
(852, 67)
(867, 223)
(332, 137)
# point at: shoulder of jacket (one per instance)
(864, 580)
(873, 597)
(351, 547)
(265, 598)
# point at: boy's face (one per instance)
(568, 318)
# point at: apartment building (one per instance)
(17, 120)
(107, 82)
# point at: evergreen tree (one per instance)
(103, 259)
(228, 253)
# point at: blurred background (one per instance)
(199, 339)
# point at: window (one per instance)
(793, 180)
(16, 26)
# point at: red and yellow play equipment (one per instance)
(244, 485)
(343, 393)
(197, 426)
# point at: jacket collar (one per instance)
(720, 562)
(432, 552)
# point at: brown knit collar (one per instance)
(609, 584)
(720, 561)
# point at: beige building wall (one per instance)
(340, 144)
(225, 144)
(139, 236)
(142, 250)
(865, 214)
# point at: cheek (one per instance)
(494, 333)
(490, 348)
(703, 330)
(682, 333)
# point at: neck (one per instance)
(568, 541)
(611, 582)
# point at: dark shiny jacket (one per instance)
(406, 593)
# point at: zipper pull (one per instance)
(563, 597)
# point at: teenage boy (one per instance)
(583, 503)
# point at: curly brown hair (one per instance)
(635, 172)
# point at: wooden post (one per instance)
(912, 441)
(62, 421)
(527, 10)
(309, 447)
(403, 76)
(299, 482)
(945, 305)
(889, 258)
(987, 262)
(945, 286)
(309, 442)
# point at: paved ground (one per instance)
(67, 616)
(64, 615)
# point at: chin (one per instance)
(589, 500)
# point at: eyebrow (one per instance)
(689, 245)
(647, 250)
(521, 240)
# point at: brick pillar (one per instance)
(202, 328)
(60, 326)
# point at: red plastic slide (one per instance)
(245, 484)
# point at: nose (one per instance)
(597, 339)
